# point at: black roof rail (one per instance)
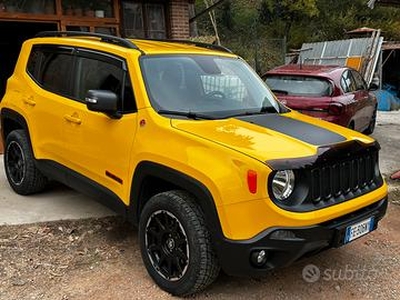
(103, 37)
(198, 44)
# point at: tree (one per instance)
(290, 12)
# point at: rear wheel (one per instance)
(19, 164)
(371, 127)
(176, 245)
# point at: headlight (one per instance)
(283, 184)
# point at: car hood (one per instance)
(270, 136)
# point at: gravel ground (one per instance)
(100, 258)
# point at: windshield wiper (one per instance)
(282, 92)
(188, 114)
(268, 109)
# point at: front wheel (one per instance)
(176, 244)
(19, 164)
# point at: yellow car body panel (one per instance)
(233, 160)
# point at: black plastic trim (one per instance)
(282, 252)
(78, 182)
(324, 154)
(179, 180)
(301, 199)
(103, 37)
(17, 118)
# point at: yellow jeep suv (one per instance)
(188, 143)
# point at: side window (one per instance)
(50, 66)
(347, 82)
(35, 59)
(361, 85)
(97, 72)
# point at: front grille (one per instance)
(337, 180)
(337, 173)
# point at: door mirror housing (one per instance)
(373, 86)
(103, 101)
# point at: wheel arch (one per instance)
(152, 178)
(12, 120)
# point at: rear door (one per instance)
(366, 104)
(50, 67)
(354, 99)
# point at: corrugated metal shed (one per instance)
(371, 3)
(359, 53)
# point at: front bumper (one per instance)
(285, 245)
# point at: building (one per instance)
(22, 19)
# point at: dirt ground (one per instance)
(100, 259)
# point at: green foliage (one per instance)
(251, 27)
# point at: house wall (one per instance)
(179, 19)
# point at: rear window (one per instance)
(299, 85)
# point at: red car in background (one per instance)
(332, 93)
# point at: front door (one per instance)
(97, 145)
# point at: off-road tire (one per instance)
(19, 164)
(371, 127)
(176, 244)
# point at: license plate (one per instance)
(357, 230)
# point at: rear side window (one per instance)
(361, 85)
(299, 85)
(348, 83)
(71, 72)
(51, 68)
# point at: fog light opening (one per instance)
(283, 235)
(259, 258)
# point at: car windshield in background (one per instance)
(211, 86)
(299, 86)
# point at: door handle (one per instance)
(73, 119)
(29, 101)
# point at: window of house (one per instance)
(142, 19)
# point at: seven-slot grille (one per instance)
(341, 178)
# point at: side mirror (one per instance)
(373, 86)
(103, 101)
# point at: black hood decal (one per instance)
(302, 131)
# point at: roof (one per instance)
(297, 69)
(142, 45)
(174, 46)
(371, 3)
(391, 45)
(362, 30)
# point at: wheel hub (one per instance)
(167, 245)
(15, 163)
(170, 244)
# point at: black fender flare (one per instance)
(180, 180)
(16, 117)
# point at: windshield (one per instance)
(299, 85)
(217, 87)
